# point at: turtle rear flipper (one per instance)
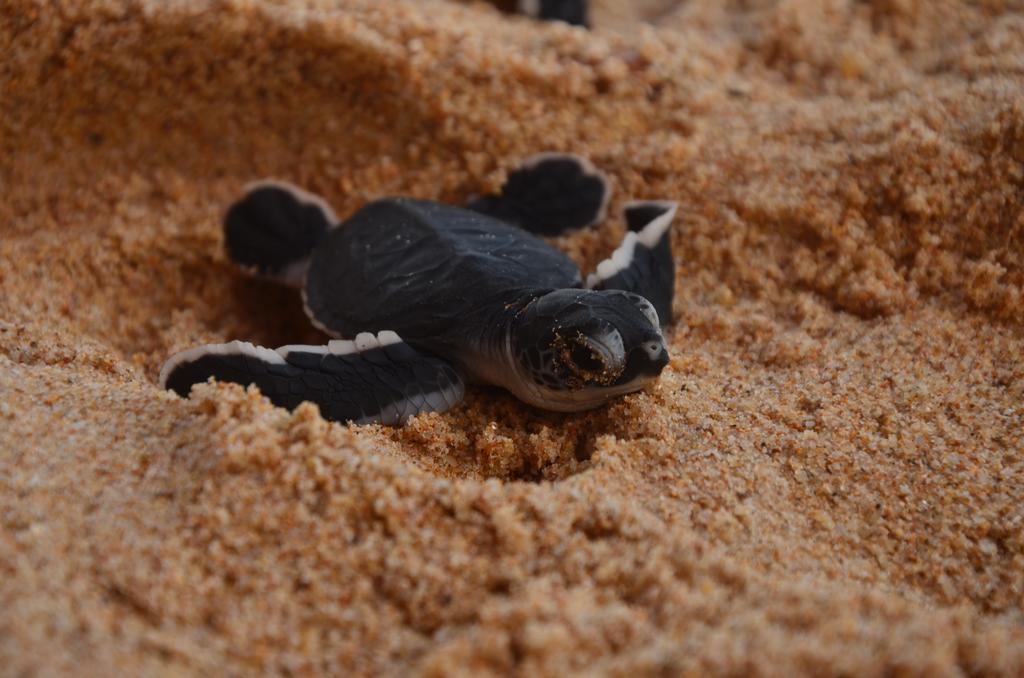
(373, 379)
(643, 263)
(550, 194)
(272, 230)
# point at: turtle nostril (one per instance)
(653, 348)
(657, 354)
(648, 358)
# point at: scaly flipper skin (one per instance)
(273, 228)
(373, 379)
(550, 194)
(643, 263)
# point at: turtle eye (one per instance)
(584, 359)
(590, 359)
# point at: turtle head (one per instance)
(576, 349)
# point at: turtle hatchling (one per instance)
(425, 297)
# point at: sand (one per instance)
(827, 479)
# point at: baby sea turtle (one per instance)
(432, 295)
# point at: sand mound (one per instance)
(828, 478)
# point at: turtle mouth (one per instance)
(587, 398)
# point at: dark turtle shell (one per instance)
(433, 273)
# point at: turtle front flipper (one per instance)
(272, 230)
(643, 263)
(550, 194)
(373, 379)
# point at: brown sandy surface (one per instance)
(829, 477)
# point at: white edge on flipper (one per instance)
(341, 346)
(656, 227)
(588, 167)
(648, 236)
(387, 338)
(299, 194)
(620, 260)
(230, 348)
(364, 341)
